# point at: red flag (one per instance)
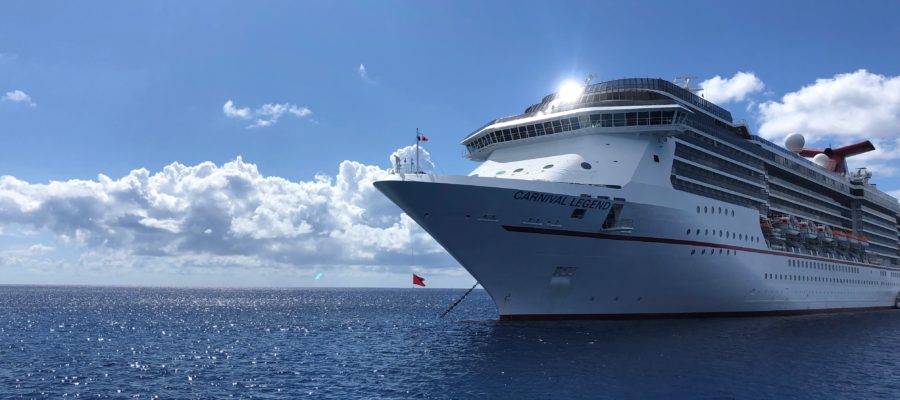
(423, 138)
(418, 280)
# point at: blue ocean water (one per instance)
(388, 343)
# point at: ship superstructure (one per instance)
(638, 198)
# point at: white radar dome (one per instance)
(794, 142)
(821, 160)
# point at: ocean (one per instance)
(116, 342)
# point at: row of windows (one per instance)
(729, 166)
(726, 234)
(822, 266)
(705, 191)
(826, 279)
(713, 251)
(713, 178)
(636, 118)
(525, 131)
(708, 210)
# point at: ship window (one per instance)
(698, 209)
(586, 165)
(607, 120)
(501, 172)
(631, 119)
(548, 166)
(697, 231)
(667, 117)
(732, 213)
(565, 124)
(578, 213)
(720, 210)
(618, 119)
(655, 158)
(655, 117)
(557, 126)
(703, 251)
(643, 118)
(693, 251)
(705, 210)
(688, 232)
(574, 123)
(506, 135)
(548, 128)
(518, 169)
(515, 133)
(706, 232)
(530, 130)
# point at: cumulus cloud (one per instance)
(843, 108)
(363, 74)
(222, 215)
(736, 88)
(18, 96)
(266, 115)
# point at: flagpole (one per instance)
(417, 150)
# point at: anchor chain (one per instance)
(460, 299)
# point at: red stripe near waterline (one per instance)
(722, 314)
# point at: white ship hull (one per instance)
(605, 209)
(537, 262)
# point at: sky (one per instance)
(228, 143)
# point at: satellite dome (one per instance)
(821, 160)
(794, 142)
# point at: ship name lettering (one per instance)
(563, 200)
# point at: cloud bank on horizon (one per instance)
(228, 215)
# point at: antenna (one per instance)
(685, 83)
(588, 79)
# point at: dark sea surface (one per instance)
(388, 343)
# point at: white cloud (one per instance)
(363, 74)
(220, 216)
(737, 88)
(18, 96)
(844, 108)
(266, 115)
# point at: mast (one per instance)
(417, 151)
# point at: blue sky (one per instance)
(116, 86)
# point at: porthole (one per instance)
(501, 172)
(703, 251)
(688, 232)
(519, 169)
(698, 209)
(706, 232)
(586, 165)
(720, 210)
(693, 251)
(548, 166)
(732, 213)
(705, 211)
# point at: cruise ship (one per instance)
(637, 198)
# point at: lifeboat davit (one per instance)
(824, 234)
(787, 226)
(840, 237)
